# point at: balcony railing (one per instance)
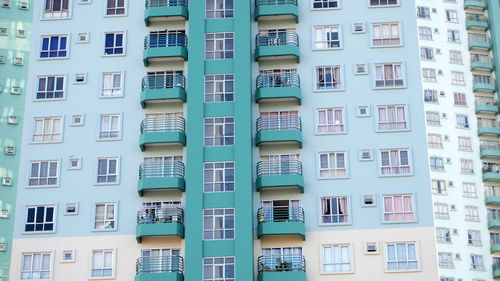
(493, 191)
(481, 58)
(165, 40)
(279, 168)
(493, 214)
(275, 2)
(273, 263)
(485, 101)
(279, 123)
(278, 80)
(478, 37)
(166, 3)
(166, 169)
(160, 215)
(155, 82)
(489, 146)
(280, 214)
(480, 18)
(277, 39)
(168, 124)
(159, 264)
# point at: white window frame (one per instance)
(49, 162)
(445, 260)
(471, 213)
(113, 88)
(100, 130)
(214, 170)
(324, 44)
(330, 168)
(213, 137)
(451, 16)
(390, 38)
(338, 215)
(474, 236)
(337, 123)
(423, 36)
(223, 229)
(216, 11)
(339, 5)
(54, 219)
(215, 82)
(40, 266)
(478, 266)
(215, 50)
(410, 160)
(52, 132)
(105, 9)
(403, 212)
(398, 3)
(68, 44)
(124, 43)
(393, 64)
(117, 175)
(213, 265)
(105, 220)
(334, 263)
(417, 255)
(444, 211)
(396, 106)
(55, 76)
(56, 15)
(113, 266)
(340, 80)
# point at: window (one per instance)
(430, 96)
(453, 36)
(434, 141)
(474, 238)
(47, 129)
(476, 262)
(335, 210)
(457, 78)
(218, 269)
(439, 187)
(103, 263)
(219, 46)
(327, 37)
(466, 166)
(330, 120)
(456, 57)
(219, 131)
(443, 235)
(114, 42)
(451, 16)
(329, 78)
(219, 88)
(217, 9)
(386, 34)
(107, 170)
(50, 87)
(398, 208)
(426, 53)
(332, 164)
(401, 256)
(459, 99)
(44, 173)
(54, 9)
(109, 126)
(389, 75)
(218, 177)
(445, 260)
(112, 84)
(40, 219)
(423, 13)
(325, 4)
(462, 121)
(469, 189)
(115, 7)
(425, 33)
(437, 163)
(336, 258)
(471, 213)
(105, 216)
(36, 266)
(429, 74)
(218, 224)
(54, 46)
(441, 211)
(395, 162)
(391, 117)
(375, 3)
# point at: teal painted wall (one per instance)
(494, 19)
(11, 46)
(241, 153)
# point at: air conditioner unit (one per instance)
(434, 10)
(10, 150)
(444, 115)
(458, 257)
(18, 61)
(442, 93)
(3, 247)
(23, 5)
(446, 137)
(2, 59)
(15, 90)
(448, 160)
(4, 214)
(7, 181)
(450, 184)
(5, 3)
(453, 207)
(438, 51)
(455, 231)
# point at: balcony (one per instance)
(277, 46)
(162, 131)
(284, 267)
(165, 10)
(480, 86)
(494, 244)
(160, 268)
(486, 105)
(276, 10)
(481, 62)
(490, 150)
(278, 87)
(280, 174)
(496, 270)
(279, 130)
(475, 4)
(494, 219)
(163, 88)
(281, 221)
(166, 175)
(488, 128)
(159, 222)
(492, 195)
(163, 47)
(477, 22)
(479, 43)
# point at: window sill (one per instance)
(386, 46)
(395, 175)
(114, 55)
(324, 9)
(333, 178)
(390, 88)
(37, 232)
(331, 133)
(103, 278)
(327, 49)
(46, 142)
(106, 183)
(105, 230)
(334, 224)
(337, 273)
(110, 97)
(399, 222)
(384, 6)
(53, 59)
(328, 90)
(108, 139)
(49, 100)
(403, 270)
(42, 186)
(392, 131)
(116, 16)
(54, 19)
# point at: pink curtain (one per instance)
(322, 128)
(398, 206)
(394, 162)
(330, 120)
(338, 117)
(343, 209)
(391, 117)
(408, 210)
(401, 118)
(382, 117)
(388, 72)
(388, 209)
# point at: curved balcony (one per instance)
(490, 150)
(475, 4)
(165, 10)
(167, 175)
(276, 10)
(492, 195)
(280, 174)
(277, 46)
(162, 131)
(164, 47)
(479, 43)
(494, 244)
(163, 88)
(486, 105)
(279, 130)
(281, 221)
(496, 270)
(159, 222)
(479, 23)
(493, 219)
(282, 267)
(278, 87)
(488, 128)
(481, 62)
(160, 268)
(484, 86)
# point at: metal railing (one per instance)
(489, 146)
(275, 2)
(487, 124)
(160, 215)
(166, 3)
(485, 101)
(495, 266)
(481, 58)
(159, 264)
(162, 81)
(279, 123)
(280, 214)
(476, 17)
(165, 40)
(277, 39)
(492, 191)
(279, 168)
(274, 263)
(478, 37)
(167, 124)
(493, 214)
(484, 80)
(165, 169)
(278, 80)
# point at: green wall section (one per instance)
(494, 19)
(11, 46)
(241, 153)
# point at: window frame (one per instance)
(332, 246)
(51, 264)
(102, 81)
(44, 119)
(113, 262)
(214, 170)
(417, 256)
(213, 137)
(220, 11)
(396, 106)
(100, 129)
(70, 12)
(400, 34)
(340, 80)
(339, 5)
(384, 6)
(337, 199)
(215, 81)
(214, 229)
(67, 49)
(324, 33)
(105, 9)
(123, 46)
(394, 213)
(326, 110)
(213, 264)
(114, 220)
(410, 162)
(117, 158)
(211, 55)
(46, 76)
(58, 173)
(45, 206)
(328, 153)
(383, 64)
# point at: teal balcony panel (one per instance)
(164, 183)
(159, 229)
(282, 276)
(162, 95)
(280, 181)
(483, 87)
(174, 53)
(486, 108)
(279, 129)
(281, 220)
(277, 52)
(478, 25)
(282, 267)
(475, 4)
(166, 86)
(485, 66)
(490, 153)
(159, 222)
(165, 10)
(495, 248)
(279, 174)
(155, 138)
(278, 94)
(281, 228)
(288, 136)
(494, 224)
(167, 276)
(276, 10)
(492, 200)
(491, 176)
(481, 45)
(162, 131)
